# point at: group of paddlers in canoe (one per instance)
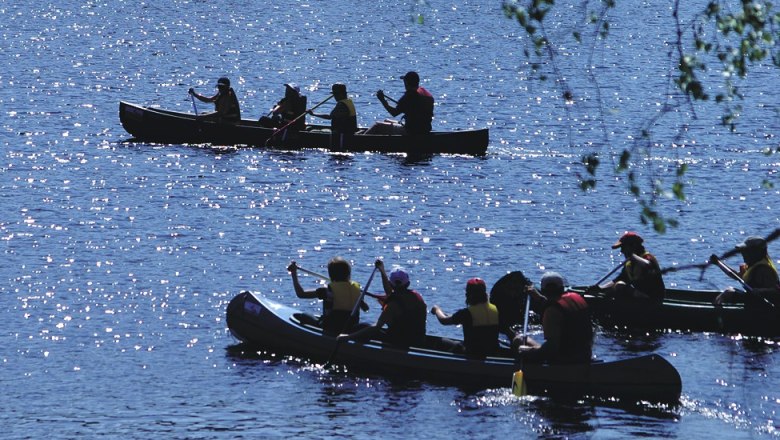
(416, 106)
(565, 317)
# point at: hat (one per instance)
(551, 279)
(399, 278)
(411, 77)
(223, 82)
(476, 284)
(628, 238)
(293, 86)
(752, 243)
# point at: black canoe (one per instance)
(154, 125)
(685, 310)
(260, 322)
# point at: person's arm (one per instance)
(203, 98)
(368, 332)
(299, 291)
(551, 322)
(386, 285)
(390, 109)
(443, 318)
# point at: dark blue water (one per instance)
(120, 258)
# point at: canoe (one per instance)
(154, 125)
(266, 324)
(684, 310)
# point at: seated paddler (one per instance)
(641, 277)
(338, 298)
(479, 320)
(568, 332)
(226, 108)
(759, 273)
(404, 313)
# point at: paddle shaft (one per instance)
(618, 267)
(277, 131)
(525, 317)
(315, 274)
(730, 272)
(323, 277)
(194, 107)
(351, 315)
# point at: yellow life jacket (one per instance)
(765, 262)
(483, 315)
(345, 294)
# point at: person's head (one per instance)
(630, 243)
(753, 249)
(411, 81)
(339, 91)
(476, 291)
(552, 284)
(223, 84)
(399, 279)
(291, 90)
(339, 269)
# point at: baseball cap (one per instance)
(399, 278)
(752, 243)
(628, 238)
(223, 82)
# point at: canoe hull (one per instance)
(154, 125)
(260, 322)
(685, 310)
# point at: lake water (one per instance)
(120, 258)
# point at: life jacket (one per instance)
(409, 329)
(344, 294)
(418, 111)
(576, 329)
(227, 106)
(348, 124)
(481, 337)
(651, 283)
(748, 273)
(340, 300)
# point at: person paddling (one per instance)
(226, 108)
(568, 333)
(479, 321)
(338, 298)
(758, 272)
(404, 313)
(641, 275)
(343, 118)
(292, 106)
(416, 104)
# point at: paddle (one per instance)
(351, 315)
(604, 278)
(321, 276)
(194, 107)
(774, 235)
(519, 387)
(730, 272)
(284, 127)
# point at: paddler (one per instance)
(338, 298)
(404, 313)
(226, 108)
(343, 118)
(568, 333)
(758, 272)
(641, 275)
(479, 321)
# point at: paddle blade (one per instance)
(519, 387)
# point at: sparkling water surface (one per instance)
(121, 257)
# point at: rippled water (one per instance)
(120, 258)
